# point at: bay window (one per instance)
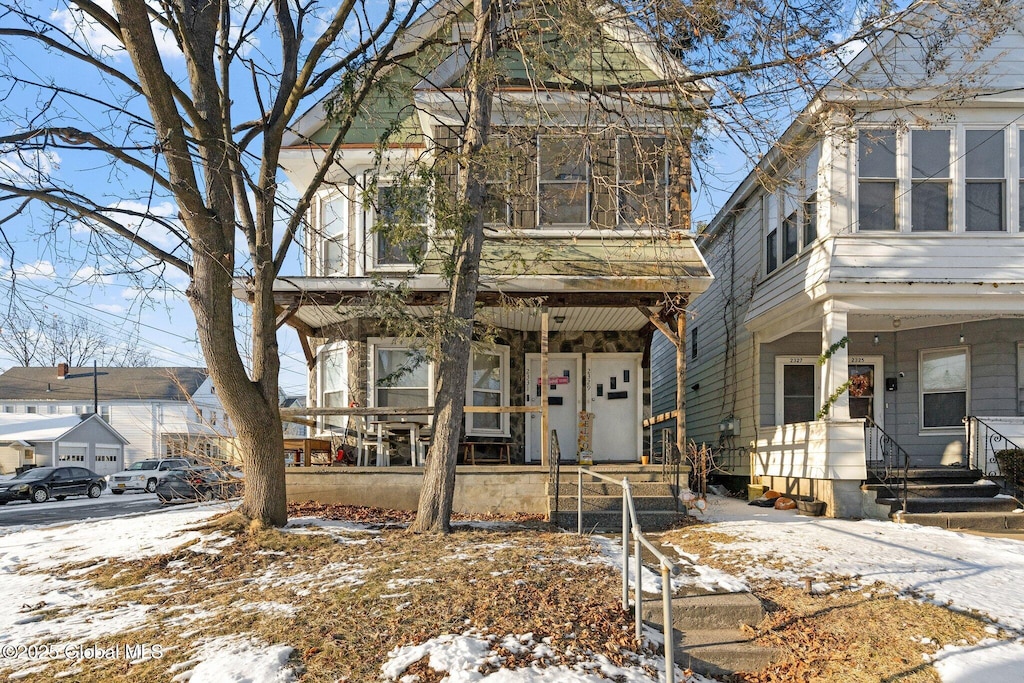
(876, 186)
(334, 229)
(642, 180)
(930, 185)
(984, 181)
(563, 180)
(944, 388)
(400, 226)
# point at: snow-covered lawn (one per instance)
(960, 571)
(47, 619)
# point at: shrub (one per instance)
(1011, 464)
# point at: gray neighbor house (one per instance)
(866, 322)
(50, 441)
(160, 411)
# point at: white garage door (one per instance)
(108, 460)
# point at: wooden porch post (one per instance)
(545, 440)
(835, 371)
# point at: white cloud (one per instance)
(91, 276)
(28, 167)
(40, 270)
(100, 41)
(116, 309)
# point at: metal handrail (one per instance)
(630, 522)
(888, 447)
(992, 438)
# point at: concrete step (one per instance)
(931, 505)
(707, 611)
(721, 653)
(917, 490)
(603, 488)
(611, 521)
(634, 472)
(614, 503)
(972, 521)
(934, 475)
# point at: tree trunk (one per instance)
(438, 491)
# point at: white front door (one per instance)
(615, 397)
(564, 399)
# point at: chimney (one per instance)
(62, 371)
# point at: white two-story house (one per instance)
(159, 411)
(869, 285)
(587, 237)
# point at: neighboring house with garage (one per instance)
(73, 440)
(160, 411)
(867, 312)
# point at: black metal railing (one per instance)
(886, 460)
(983, 442)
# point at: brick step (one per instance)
(705, 611)
(944, 490)
(614, 503)
(930, 505)
(603, 488)
(611, 521)
(972, 521)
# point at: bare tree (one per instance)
(186, 104)
(75, 340)
(20, 337)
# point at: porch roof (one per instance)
(587, 284)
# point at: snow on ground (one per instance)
(961, 571)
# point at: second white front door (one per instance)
(615, 397)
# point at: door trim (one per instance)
(532, 457)
(638, 371)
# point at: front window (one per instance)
(930, 186)
(798, 393)
(401, 377)
(400, 230)
(642, 181)
(30, 409)
(563, 175)
(984, 188)
(488, 386)
(333, 368)
(876, 186)
(944, 382)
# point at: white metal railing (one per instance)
(630, 523)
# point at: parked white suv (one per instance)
(144, 475)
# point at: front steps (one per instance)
(654, 499)
(708, 632)
(948, 497)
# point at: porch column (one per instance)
(835, 371)
(545, 438)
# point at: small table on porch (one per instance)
(409, 424)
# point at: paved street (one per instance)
(76, 509)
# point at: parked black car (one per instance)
(199, 483)
(39, 484)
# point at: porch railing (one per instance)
(554, 470)
(983, 440)
(630, 523)
(886, 460)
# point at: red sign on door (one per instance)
(554, 380)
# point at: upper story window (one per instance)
(642, 182)
(334, 228)
(876, 185)
(952, 179)
(497, 208)
(930, 195)
(563, 181)
(790, 215)
(399, 230)
(984, 181)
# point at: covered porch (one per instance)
(561, 350)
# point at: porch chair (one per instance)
(370, 438)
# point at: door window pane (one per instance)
(862, 391)
(797, 393)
